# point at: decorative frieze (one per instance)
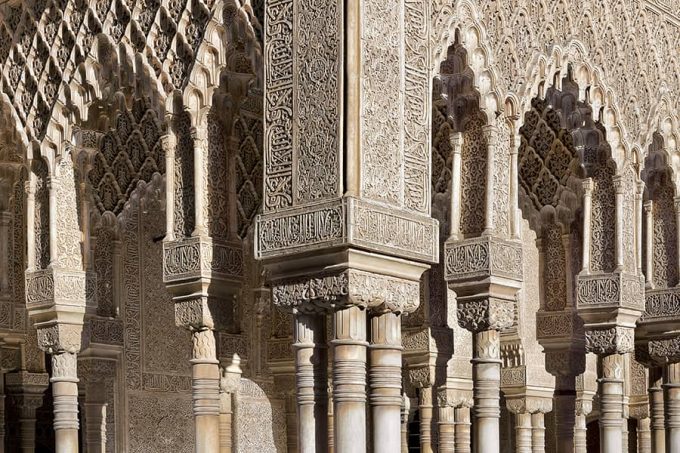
(560, 324)
(615, 289)
(196, 257)
(55, 286)
(348, 222)
(482, 257)
(352, 287)
(661, 304)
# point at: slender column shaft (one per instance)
(618, 184)
(537, 432)
(638, 225)
(486, 374)
(168, 144)
(310, 373)
(523, 432)
(405, 409)
(490, 135)
(226, 420)
(514, 208)
(587, 212)
(447, 430)
(425, 410)
(385, 382)
(565, 413)
(65, 394)
(199, 186)
(349, 380)
(463, 430)
(291, 424)
(671, 391)
(624, 425)
(95, 424)
(52, 188)
(611, 403)
(649, 258)
(657, 412)
(5, 219)
(644, 436)
(30, 220)
(205, 391)
(580, 432)
(457, 145)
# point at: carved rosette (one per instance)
(610, 340)
(376, 292)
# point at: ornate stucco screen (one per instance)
(346, 227)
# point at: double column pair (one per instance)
(351, 349)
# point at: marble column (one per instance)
(385, 381)
(230, 380)
(349, 379)
(523, 432)
(310, 374)
(671, 393)
(611, 403)
(26, 391)
(486, 374)
(538, 432)
(583, 407)
(565, 412)
(95, 418)
(425, 410)
(64, 382)
(447, 429)
(205, 376)
(405, 412)
(644, 435)
(656, 406)
(463, 430)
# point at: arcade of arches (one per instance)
(340, 226)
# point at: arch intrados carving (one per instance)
(462, 24)
(592, 88)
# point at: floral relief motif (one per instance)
(665, 248)
(554, 268)
(603, 216)
(473, 177)
(41, 220)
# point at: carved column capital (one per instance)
(565, 363)
(530, 405)
(610, 340)
(588, 186)
(664, 351)
(60, 337)
(485, 313)
(375, 292)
